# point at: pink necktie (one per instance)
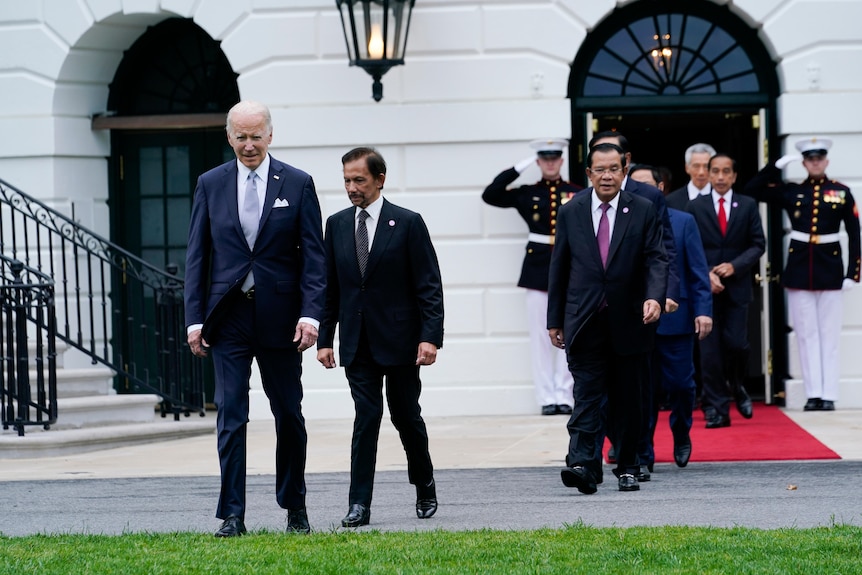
(722, 217)
(604, 234)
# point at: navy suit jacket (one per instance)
(742, 246)
(398, 304)
(288, 257)
(695, 294)
(637, 270)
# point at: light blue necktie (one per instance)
(249, 218)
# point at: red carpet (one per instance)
(769, 435)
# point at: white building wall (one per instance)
(481, 79)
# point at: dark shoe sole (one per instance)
(572, 479)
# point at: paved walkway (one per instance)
(456, 443)
(492, 472)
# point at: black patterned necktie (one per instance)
(362, 242)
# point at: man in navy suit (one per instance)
(255, 288)
(733, 242)
(607, 284)
(385, 293)
(672, 369)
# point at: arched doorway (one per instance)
(671, 74)
(168, 102)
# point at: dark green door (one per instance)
(155, 178)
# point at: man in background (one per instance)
(814, 274)
(697, 167)
(538, 205)
(733, 242)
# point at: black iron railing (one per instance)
(27, 325)
(118, 309)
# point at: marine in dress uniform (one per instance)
(814, 274)
(538, 204)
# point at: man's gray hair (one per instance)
(698, 149)
(249, 107)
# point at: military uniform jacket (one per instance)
(538, 205)
(815, 207)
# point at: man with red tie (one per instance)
(733, 241)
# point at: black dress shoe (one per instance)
(682, 453)
(628, 482)
(231, 527)
(743, 403)
(549, 409)
(718, 421)
(426, 500)
(357, 516)
(827, 405)
(563, 409)
(580, 477)
(643, 474)
(297, 521)
(813, 404)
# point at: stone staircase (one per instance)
(92, 416)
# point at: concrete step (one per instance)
(38, 442)
(101, 410)
(849, 394)
(83, 381)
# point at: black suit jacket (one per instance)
(637, 270)
(398, 304)
(742, 246)
(678, 199)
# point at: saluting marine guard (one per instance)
(538, 205)
(814, 273)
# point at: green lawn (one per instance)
(577, 549)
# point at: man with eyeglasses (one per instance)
(814, 273)
(606, 289)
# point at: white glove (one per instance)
(848, 284)
(524, 164)
(787, 159)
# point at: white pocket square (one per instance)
(280, 203)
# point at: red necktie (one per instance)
(722, 217)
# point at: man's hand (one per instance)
(724, 270)
(786, 160)
(557, 339)
(652, 311)
(670, 306)
(305, 335)
(197, 344)
(715, 283)
(426, 354)
(702, 326)
(326, 357)
(848, 284)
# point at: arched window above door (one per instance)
(669, 53)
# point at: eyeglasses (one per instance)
(614, 171)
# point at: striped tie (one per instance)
(362, 242)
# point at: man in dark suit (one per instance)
(697, 167)
(607, 283)
(733, 241)
(385, 292)
(672, 362)
(255, 288)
